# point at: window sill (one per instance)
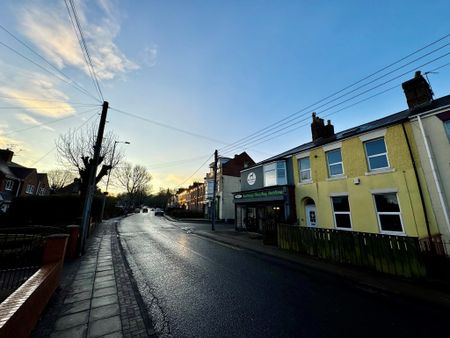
(393, 233)
(305, 182)
(380, 171)
(337, 178)
(344, 229)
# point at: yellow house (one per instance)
(368, 178)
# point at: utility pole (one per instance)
(213, 214)
(85, 221)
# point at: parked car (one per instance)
(159, 212)
(144, 210)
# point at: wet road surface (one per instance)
(196, 287)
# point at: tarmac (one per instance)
(98, 296)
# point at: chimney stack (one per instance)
(417, 91)
(6, 155)
(319, 129)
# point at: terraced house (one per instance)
(368, 178)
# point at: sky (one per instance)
(184, 78)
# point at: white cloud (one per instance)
(49, 28)
(35, 92)
(27, 119)
(149, 55)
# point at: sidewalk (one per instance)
(421, 290)
(96, 298)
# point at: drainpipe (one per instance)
(422, 200)
(433, 170)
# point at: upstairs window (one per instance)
(376, 154)
(335, 165)
(9, 184)
(304, 168)
(447, 128)
(29, 189)
(388, 212)
(275, 174)
(341, 211)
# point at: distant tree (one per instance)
(59, 178)
(161, 199)
(135, 180)
(76, 150)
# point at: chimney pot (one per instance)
(417, 91)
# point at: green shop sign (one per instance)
(259, 194)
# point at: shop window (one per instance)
(335, 165)
(341, 211)
(388, 212)
(304, 167)
(376, 154)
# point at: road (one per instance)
(196, 287)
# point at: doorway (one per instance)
(311, 217)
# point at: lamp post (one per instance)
(109, 175)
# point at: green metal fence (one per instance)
(396, 255)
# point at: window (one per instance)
(341, 210)
(281, 173)
(304, 168)
(9, 184)
(270, 175)
(275, 174)
(376, 154)
(388, 212)
(447, 128)
(30, 189)
(335, 165)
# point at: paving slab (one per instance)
(74, 332)
(75, 319)
(106, 326)
(105, 284)
(76, 297)
(104, 279)
(104, 300)
(104, 312)
(82, 305)
(112, 290)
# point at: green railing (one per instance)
(396, 255)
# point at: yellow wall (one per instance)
(400, 177)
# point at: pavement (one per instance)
(430, 291)
(97, 296)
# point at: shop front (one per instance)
(267, 206)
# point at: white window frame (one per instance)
(268, 168)
(399, 213)
(9, 185)
(336, 163)
(304, 170)
(349, 212)
(377, 155)
(30, 189)
(447, 129)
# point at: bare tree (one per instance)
(59, 178)
(135, 180)
(76, 150)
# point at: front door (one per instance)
(311, 220)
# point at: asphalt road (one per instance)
(196, 287)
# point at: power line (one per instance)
(74, 19)
(50, 122)
(167, 126)
(71, 81)
(251, 140)
(54, 147)
(27, 98)
(201, 166)
(174, 163)
(289, 117)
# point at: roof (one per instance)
(21, 172)
(5, 170)
(364, 128)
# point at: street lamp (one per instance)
(109, 174)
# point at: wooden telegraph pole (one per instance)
(85, 221)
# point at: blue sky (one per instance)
(221, 69)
